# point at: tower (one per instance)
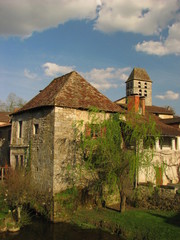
(140, 83)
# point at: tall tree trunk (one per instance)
(123, 201)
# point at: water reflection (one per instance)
(42, 230)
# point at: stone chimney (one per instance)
(133, 103)
(142, 105)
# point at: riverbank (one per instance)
(132, 224)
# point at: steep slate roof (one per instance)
(72, 91)
(139, 74)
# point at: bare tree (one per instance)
(12, 102)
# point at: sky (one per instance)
(103, 40)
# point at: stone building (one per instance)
(43, 132)
(5, 134)
(140, 83)
(167, 150)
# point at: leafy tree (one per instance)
(12, 102)
(113, 149)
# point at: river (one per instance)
(43, 230)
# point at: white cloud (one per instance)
(171, 45)
(52, 69)
(147, 17)
(22, 18)
(104, 79)
(169, 95)
(29, 74)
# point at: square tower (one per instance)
(140, 83)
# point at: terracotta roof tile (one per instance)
(159, 110)
(4, 117)
(165, 129)
(72, 91)
(5, 125)
(171, 120)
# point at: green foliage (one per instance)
(67, 199)
(135, 224)
(25, 218)
(113, 148)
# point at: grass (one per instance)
(132, 224)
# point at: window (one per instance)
(145, 94)
(17, 162)
(20, 129)
(36, 129)
(94, 130)
(21, 161)
(166, 142)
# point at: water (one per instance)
(43, 230)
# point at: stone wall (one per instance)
(149, 197)
(66, 154)
(168, 163)
(35, 147)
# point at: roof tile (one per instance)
(72, 91)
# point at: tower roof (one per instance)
(139, 74)
(72, 91)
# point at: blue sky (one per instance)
(101, 39)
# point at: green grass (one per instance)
(133, 224)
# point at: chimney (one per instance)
(133, 103)
(142, 105)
